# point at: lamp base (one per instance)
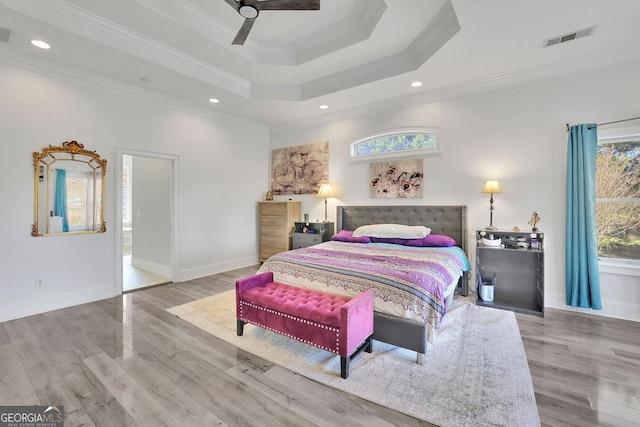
(491, 227)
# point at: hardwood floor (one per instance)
(125, 361)
(585, 369)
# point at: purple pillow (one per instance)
(438, 240)
(432, 240)
(347, 236)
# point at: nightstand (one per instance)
(311, 233)
(513, 263)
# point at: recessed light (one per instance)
(40, 44)
(214, 100)
(416, 84)
(324, 107)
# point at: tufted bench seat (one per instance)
(338, 324)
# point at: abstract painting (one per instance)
(396, 179)
(300, 169)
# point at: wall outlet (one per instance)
(39, 283)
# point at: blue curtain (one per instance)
(60, 208)
(582, 274)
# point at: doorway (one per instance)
(147, 210)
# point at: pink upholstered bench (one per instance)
(334, 323)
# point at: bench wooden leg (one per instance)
(344, 366)
(367, 346)
(239, 327)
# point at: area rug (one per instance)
(476, 373)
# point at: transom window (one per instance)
(397, 143)
(618, 198)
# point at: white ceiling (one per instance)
(350, 55)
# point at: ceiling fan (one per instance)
(249, 9)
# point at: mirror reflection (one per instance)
(69, 189)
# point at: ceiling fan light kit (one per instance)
(250, 9)
(248, 12)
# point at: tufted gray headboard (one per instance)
(447, 220)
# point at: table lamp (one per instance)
(491, 187)
(325, 192)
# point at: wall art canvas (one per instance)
(396, 179)
(300, 169)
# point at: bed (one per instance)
(414, 286)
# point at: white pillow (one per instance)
(392, 231)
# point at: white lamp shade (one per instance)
(492, 187)
(325, 191)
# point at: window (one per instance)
(618, 198)
(398, 143)
(80, 197)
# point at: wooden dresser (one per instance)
(276, 221)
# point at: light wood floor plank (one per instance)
(15, 386)
(4, 335)
(96, 400)
(579, 370)
(138, 401)
(177, 401)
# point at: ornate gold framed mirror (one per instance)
(69, 191)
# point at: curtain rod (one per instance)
(607, 123)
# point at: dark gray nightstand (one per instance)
(316, 232)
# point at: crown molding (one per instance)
(275, 92)
(72, 18)
(121, 89)
(351, 30)
(467, 88)
(342, 34)
(212, 29)
(436, 34)
(442, 27)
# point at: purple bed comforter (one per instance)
(408, 282)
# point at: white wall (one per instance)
(216, 198)
(151, 214)
(516, 135)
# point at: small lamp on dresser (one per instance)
(325, 192)
(491, 187)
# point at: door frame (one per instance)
(173, 223)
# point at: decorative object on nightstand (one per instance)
(269, 196)
(511, 276)
(535, 219)
(308, 234)
(491, 187)
(325, 192)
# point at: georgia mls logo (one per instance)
(31, 416)
(54, 414)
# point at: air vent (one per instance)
(570, 36)
(5, 35)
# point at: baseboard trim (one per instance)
(55, 302)
(154, 267)
(221, 267)
(611, 308)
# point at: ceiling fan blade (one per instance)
(234, 4)
(284, 4)
(244, 31)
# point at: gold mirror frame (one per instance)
(43, 163)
